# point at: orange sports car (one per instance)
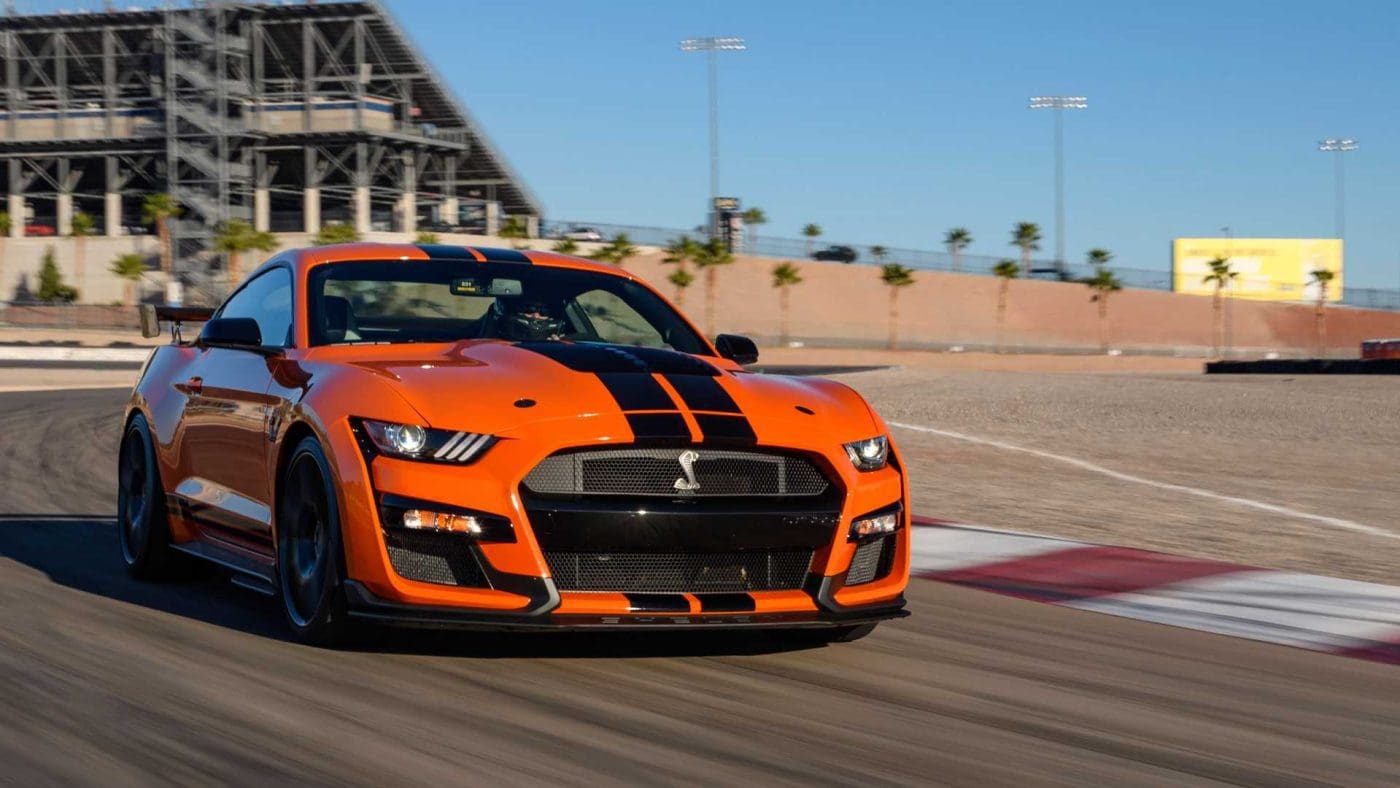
(489, 438)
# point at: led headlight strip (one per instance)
(414, 442)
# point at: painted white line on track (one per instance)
(68, 387)
(64, 353)
(1334, 522)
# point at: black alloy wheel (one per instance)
(310, 563)
(142, 527)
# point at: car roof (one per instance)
(339, 253)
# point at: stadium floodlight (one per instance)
(712, 46)
(1059, 104)
(1339, 145)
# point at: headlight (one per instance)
(414, 442)
(870, 454)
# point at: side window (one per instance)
(614, 320)
(268, 300)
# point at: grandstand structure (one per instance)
(282, 115)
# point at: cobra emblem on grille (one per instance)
(687, 483)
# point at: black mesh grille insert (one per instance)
(660, 471)
(872, 561)
(446, 559)
(758, 570)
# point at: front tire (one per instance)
(310, 560)
(143, 528)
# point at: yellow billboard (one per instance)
(1270, 269)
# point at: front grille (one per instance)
(658, 472)
(446, 559)
(757, 570)
(872, 561)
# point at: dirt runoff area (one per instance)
(1289, 472)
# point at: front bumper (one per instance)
(518, 590)
(364, 605)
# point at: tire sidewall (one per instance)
(139, 558)
(325, 625)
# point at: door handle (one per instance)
(196, 385)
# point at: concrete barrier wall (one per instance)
(840, 304)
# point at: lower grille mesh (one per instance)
(445, 559)
(872, 561)
(758, 570)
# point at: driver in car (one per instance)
(524, 320)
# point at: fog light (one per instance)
(876, 524)
(426, 520)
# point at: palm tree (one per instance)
(130, 266)
(1103, 283)
(879, 253)
(812, 231)
(1098, 256)
(753, 217)
(336, 233)
(785, 275)
(1026, 235)
(1323, 279)
(514, 229)
(235, 237)
(708, 258)
(159, 209)
(1222, 277)
(1006, 270)
(957, 239)
(682, 279)
(617, 251)
(622, 249)
(895, 276)
(82, 227)
(565, 246)
(425, 237)
(679, 252)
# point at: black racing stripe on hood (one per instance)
(658, 603)
(587, 358)
(665, 427)
(446, 252)
(725, 603)
(636, 391)
(591, 357)
(725, 429)
(703, 393)
(497, 255)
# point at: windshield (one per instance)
(450, 300)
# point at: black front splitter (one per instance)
(365, 605)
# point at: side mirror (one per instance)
(239, 333)
(737, 348)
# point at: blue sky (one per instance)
(890, 122)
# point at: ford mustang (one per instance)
(487, 438)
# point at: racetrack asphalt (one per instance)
(106, 680)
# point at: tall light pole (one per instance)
(1059, 104)
(712, 46)
(1338, 147)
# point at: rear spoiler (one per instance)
(152, 315)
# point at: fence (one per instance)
(74, 316)
(755, 243)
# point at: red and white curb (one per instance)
(1306, 611)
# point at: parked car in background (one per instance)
(838, 254)
(40, 230)
(583, 234)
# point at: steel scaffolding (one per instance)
(281, 115)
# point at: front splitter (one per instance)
(365, 605)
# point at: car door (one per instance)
(224, 425)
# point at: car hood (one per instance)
(500, 387)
